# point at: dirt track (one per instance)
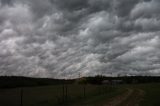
(131, 97)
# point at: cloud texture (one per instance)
(62, 38)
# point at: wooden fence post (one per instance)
(66, 92)
(63, 93)
(21, 91)
(84, 91)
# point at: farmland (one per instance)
(53, 95)
(89, 91)
(79, 95)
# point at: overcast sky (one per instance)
(62, 38)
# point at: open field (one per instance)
(83, 95)
(56, 95)
(137, 95)
(151, 94)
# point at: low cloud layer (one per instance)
(65, 38)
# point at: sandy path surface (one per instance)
(131, 97)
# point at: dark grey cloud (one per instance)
(62, 38)
(123, 7)
(6, 2)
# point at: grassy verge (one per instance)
(95, 95)
(53, 95)
(100, 98)
(152, 94)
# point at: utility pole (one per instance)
(79, 75)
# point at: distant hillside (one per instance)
(125, 79)
(16, 81)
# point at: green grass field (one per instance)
(53, 95)
(94, 95)
(151, 94)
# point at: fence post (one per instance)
(63, 93)
(66, 92)
(84, 91)
(21, 91)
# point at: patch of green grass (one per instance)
(100, 98)
(95, 95)
(152, 94)
(52, 95)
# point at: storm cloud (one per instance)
(65, 38)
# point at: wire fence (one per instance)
(51, 95)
